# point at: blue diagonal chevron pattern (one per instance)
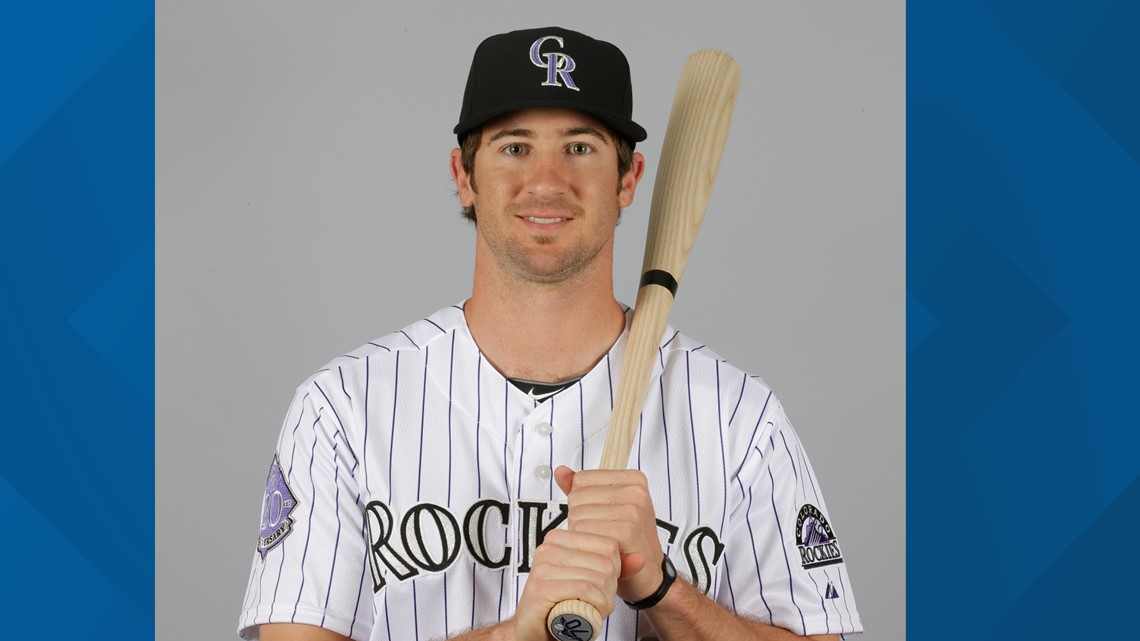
(1023, 317)
(77, 319)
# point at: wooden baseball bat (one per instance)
(690, 156)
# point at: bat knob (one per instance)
(574, 621)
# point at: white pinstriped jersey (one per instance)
(412, 482)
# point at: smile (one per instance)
(544, 221)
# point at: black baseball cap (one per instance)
(549, 67)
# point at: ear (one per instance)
(462, 180)
(630, 179)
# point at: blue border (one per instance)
(1023, 318)
(77, 319)
(1022, 309)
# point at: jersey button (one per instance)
(543, 472)
(544, 428)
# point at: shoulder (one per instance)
(691, 371)
(410, 343)
(681, 353)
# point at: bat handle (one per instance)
(574, 620)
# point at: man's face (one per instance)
(548, 193)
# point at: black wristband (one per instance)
(669, 574)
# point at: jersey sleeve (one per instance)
(309, 566)
(783, 557)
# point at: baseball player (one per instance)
(439, 482)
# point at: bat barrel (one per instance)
(690, 157)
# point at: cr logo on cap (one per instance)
(558, 65)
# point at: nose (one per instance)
(548, 174)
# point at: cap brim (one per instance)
(624, 127)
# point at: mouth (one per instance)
(544, 221)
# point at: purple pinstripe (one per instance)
(336, 542)
(755, 558)
(312, 508)
(693, 431)
(780, 529)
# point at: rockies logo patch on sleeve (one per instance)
(815, 540)
(276, 506)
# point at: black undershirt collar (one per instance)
(542, 391)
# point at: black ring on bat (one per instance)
(659, 277)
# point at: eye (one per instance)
(580, 149)
(514, 149)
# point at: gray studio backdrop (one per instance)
(304, 207)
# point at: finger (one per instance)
(626, 504)
(627, 493)
(564, 476)
(635, 546)
(564, 548)
(552, 592)
(593, 478)
(596, 571)
(567, 572)
(548, 585)
(619, 510)
(630, 531)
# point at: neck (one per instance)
(547, 332)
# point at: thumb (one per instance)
(631, 564)
(564, 476)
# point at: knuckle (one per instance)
(612, 547)
(544, 555)
(582, 586)
(594, 579)
(634, 479)
(634, 494)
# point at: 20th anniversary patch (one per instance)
(815, 540)
(275, 508)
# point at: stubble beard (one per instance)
(522, 263)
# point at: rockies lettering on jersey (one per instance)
(421, 548)
(413, 483)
